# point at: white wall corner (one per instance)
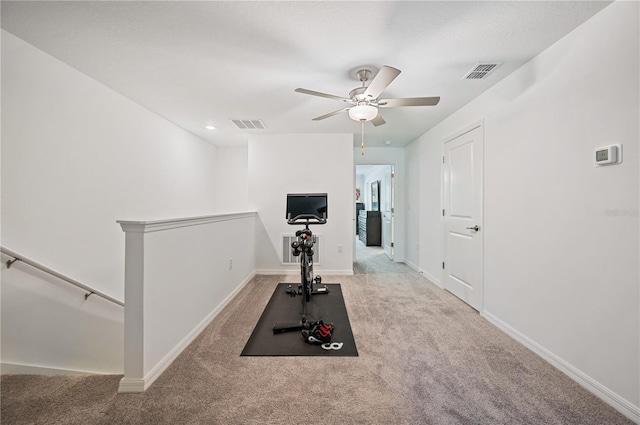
(173, 354)
(424, 274)
(623, 406)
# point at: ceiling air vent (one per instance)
(481, 71)
(249, 124)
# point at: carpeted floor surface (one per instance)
(424, 358)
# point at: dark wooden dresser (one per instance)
(370, 226)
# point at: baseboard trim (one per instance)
(413, 266)
(605, 394)
(138, 385)
(23, 369)
(322, 272)
(433, 280)
(428, 276)
(132, 385)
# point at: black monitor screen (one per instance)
(307, 203)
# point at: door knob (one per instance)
(475, 228)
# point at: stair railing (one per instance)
(23, 259)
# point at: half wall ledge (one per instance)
(167, 306)
(174, 223)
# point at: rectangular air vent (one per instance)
(249, 124)
(481, 71)
(287, 256)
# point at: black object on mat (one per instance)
(284, 308)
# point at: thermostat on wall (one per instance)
(608, 155)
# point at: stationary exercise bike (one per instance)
(308, 209)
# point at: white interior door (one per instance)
(387, 212)
(462, 212)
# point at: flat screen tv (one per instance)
(307, 204)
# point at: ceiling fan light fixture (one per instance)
(363, 112)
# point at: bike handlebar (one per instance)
(305, 219)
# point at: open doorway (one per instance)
(374, 210)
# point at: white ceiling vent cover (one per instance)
(481, 70)
(249, 124)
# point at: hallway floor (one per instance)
(424, 358)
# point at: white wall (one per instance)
(179, 275)
(561, 236)
(430, 202)
(49, 328)
(302, 163)
(412, 205)
(76, 157)
(395, 157)
(232, 186)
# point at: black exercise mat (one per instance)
(284, 308)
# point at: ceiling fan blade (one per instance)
(317, 93)
(383, 78)
(330, 114)
(409, 101)
(378, 120)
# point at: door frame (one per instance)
(393, 166)
(447, 139)
(392, 196)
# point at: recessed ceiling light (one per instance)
(210, 127)
(387, 142)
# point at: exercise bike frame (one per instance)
(305, 240)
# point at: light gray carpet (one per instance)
(425, 358)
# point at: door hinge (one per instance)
(443, 159)
(443, 265)
(391, 244)
(443, 212)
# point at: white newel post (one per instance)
(134, 373)
(179, 274)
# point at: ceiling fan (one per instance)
(364, 102)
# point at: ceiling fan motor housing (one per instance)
(357, 94)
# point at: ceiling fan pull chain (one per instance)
(362, 144)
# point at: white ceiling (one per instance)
(206, 62)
